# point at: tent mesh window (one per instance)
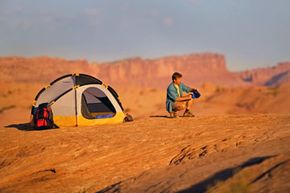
(95, 104)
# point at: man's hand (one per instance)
(193, 89)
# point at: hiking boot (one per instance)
(187, 113)
(175, 115)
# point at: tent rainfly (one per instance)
(81, 100)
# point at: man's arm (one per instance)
(187, 88)
(187, 96)
(183, 98)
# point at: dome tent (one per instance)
(81, 100)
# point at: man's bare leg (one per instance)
(187, 112)
(173, 115)
(188, 104)
(178, 106)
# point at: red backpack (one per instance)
(43, 117)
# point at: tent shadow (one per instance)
(25, 127)
(160, 116)
(223, 175)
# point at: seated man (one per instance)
(179, 97)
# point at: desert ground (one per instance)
(238, 142)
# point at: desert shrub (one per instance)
(273, 91)
(2, 109)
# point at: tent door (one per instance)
(95, 104)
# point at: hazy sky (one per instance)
(250, 33)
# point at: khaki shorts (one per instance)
(178, 106)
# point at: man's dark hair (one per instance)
(176, 75)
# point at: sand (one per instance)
(239, 140)
(87, 159)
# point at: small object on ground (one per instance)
(128, 118)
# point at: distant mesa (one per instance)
(196, 68)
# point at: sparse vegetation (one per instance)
(2, 109)
(219, 89)
(82, 190)
(234, 185)
(273, 91)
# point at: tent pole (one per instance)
(76, 108)
(75, 89)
